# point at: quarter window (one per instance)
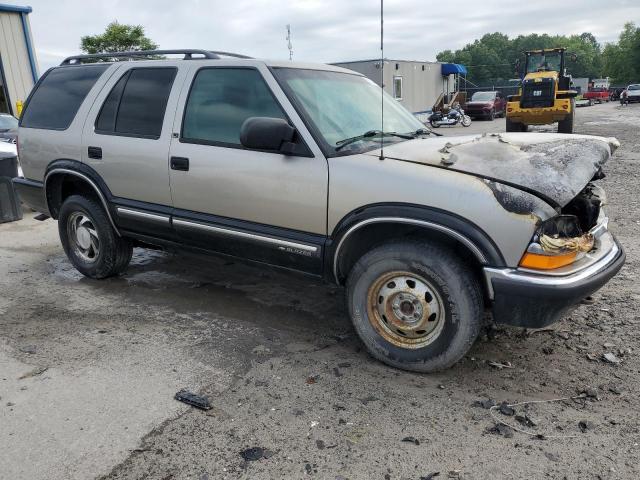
(56, 100)
(137, 103)
(221, 99)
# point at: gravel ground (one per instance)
(88, 370)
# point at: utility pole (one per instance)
(289, 45)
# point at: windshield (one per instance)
(8, 122)
(634, 87)
(544, 62)
(483, 96)
(342, 105)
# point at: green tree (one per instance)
(117, 38)
(622, 59)
(492, 58)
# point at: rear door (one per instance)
(260, 205)
(126, 140)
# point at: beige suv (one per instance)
(286, 164)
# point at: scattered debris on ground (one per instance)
(192, 399)
(33, 373)
(413, 440)
(256, 453)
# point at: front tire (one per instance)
(466, 121)
(415, 305)
(513, 126)
(89, 240)
(566, 125)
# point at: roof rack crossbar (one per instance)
(188, 54)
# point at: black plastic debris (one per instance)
(526, 420)
(198, 401)
(585, 425)
(505, 409)
(486, 404)
(430, 476)
(320, 444)
(501, 429)
(413, 440)
(254, 453)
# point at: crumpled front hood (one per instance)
(554, 166)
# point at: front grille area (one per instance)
(537, 94)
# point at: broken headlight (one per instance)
(558, 241)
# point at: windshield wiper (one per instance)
(424, 131)
(370, 134)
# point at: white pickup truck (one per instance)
(633, 92)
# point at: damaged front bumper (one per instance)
(531, 299)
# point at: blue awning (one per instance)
(453, 69)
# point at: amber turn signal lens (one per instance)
(547, 262)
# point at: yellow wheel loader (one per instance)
(545, 95)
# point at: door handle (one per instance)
(180, 163)
(94, 152)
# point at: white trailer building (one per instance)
(416, 85)
(18, 65)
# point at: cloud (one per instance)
(322, 31)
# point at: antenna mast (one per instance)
(381, 79)
(289, 45)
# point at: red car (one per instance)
(486, 105)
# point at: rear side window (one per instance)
(56, 100)
(137, 103)
(219, 102)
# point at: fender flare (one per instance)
(458, 228)
(88, 175)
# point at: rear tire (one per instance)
(89, 240)
(415, 305)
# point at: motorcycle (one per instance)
(456, 115)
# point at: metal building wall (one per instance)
(15, 57)
(420, 87)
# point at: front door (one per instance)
(264, 206)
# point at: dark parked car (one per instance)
(8, 128)
(486, 105)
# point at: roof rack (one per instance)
(188, 55)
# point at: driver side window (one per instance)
(219, 102)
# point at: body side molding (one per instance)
(137, 214)
(245, 235)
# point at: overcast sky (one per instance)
(322, 31)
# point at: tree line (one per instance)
(492, 58)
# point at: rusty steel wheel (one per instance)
(405, 309)
(415, 304)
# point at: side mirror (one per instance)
(268, 133)
(573, 57)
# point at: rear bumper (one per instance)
(536, 300)
(31, 193)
